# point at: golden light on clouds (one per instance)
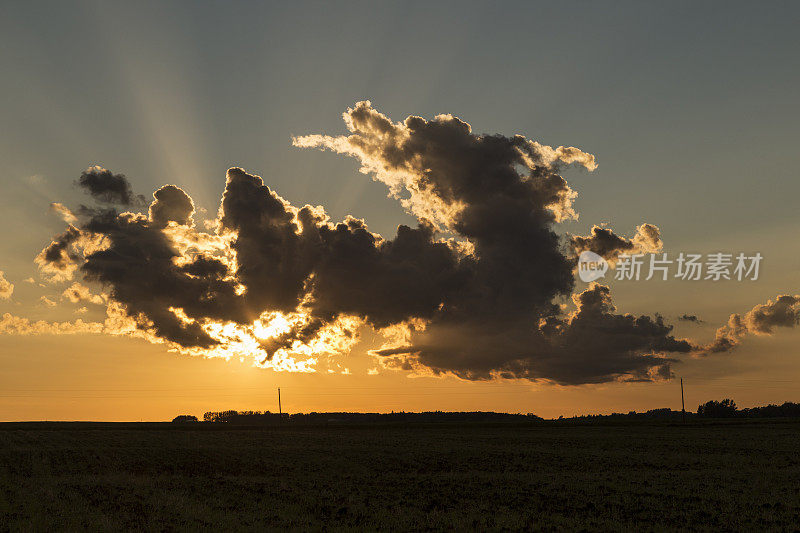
(482, 289)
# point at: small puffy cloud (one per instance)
(783, 312)
(57, 261)
(107, 187)
(647, 239)
(47, 301)
(607, 244)
(171, 205)
(80, 293)
(6, 287)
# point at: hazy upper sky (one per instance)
(690, 109)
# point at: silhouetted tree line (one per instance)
(242, 417)
(256, 417)
(664, 413)
(727, 409)
(185, 418)
(712, 409)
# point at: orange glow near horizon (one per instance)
(122, 379)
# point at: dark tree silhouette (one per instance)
(185, 418)
(714, 409)
(787, 409)
(266, 417)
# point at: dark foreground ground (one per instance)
(732, 476)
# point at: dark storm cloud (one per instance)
(385, 281)
(355, 271)
(288, 256)
(274, 258)
(278, 249)
(143, 268)
(138, 266)
(615, 345)
(502, 195)
(479, 288)
(107, 187)
(594, 344)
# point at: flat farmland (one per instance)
(741, 475)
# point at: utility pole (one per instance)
(280, 413)
(683, 404)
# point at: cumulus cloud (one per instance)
(57, 261)
(140, 267)
(783, 312)
(614, 344)
(503, 196)
(480, 287)
(607, 244)
(107, 187)
(591, 345)
(171, 205)
(690, 318)
(15, 325)
(80, 293)
(6, 287)
(443, 167)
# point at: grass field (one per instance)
(743, 475)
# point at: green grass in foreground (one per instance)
(743, 476)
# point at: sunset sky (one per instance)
(687, 111)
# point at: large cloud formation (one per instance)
(479, 288)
